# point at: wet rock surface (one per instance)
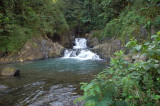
(34, 49)
(59, 96)
(10, 71)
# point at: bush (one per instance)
(127, 83)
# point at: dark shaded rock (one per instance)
(34, 49)
(66, 40)
(91, 41)
(10, 71)
(63, 39)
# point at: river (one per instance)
(48, 82)
(52, 82)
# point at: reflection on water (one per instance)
(48, 82)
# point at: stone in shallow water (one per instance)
(2, 87)
(10, 71)
(56, 104)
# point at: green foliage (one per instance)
(157, 21)
(117, 17)
(136, 15)
(127, 83)
(22, 19)
(92, 14)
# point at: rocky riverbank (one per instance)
(34, 49)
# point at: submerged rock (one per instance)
(34, 49)
(10, 71)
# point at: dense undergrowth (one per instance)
(137, 16)
(126, 82)
(22, 19)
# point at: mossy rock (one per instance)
(10, 71)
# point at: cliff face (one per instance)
(34, 49)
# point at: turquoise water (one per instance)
(45, 82)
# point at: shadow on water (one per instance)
(48, 82)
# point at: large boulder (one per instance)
(107, 50)
(10, 71)
(34, 49)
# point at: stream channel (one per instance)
(51, 82)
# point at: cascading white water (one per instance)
(80, 51)
(80, 43)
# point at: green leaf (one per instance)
(147, 43)
(90, 103)
(158, 33)
(156, 65)
(157, 97)
(97, 88)
(130, 97)
(83, 83)
(124, 94)
(154, 36)
(92, 92)
(138, 47)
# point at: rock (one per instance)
(139, 57)
(63, 39)
(2, 87)
(34, 49)
(107, 50)
(127, 57)
(56, 104)
(10, 71)
(66, 40)
(92, 41)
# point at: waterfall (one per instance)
(81, 51)
(80, 43)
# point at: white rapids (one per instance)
(80, 51)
